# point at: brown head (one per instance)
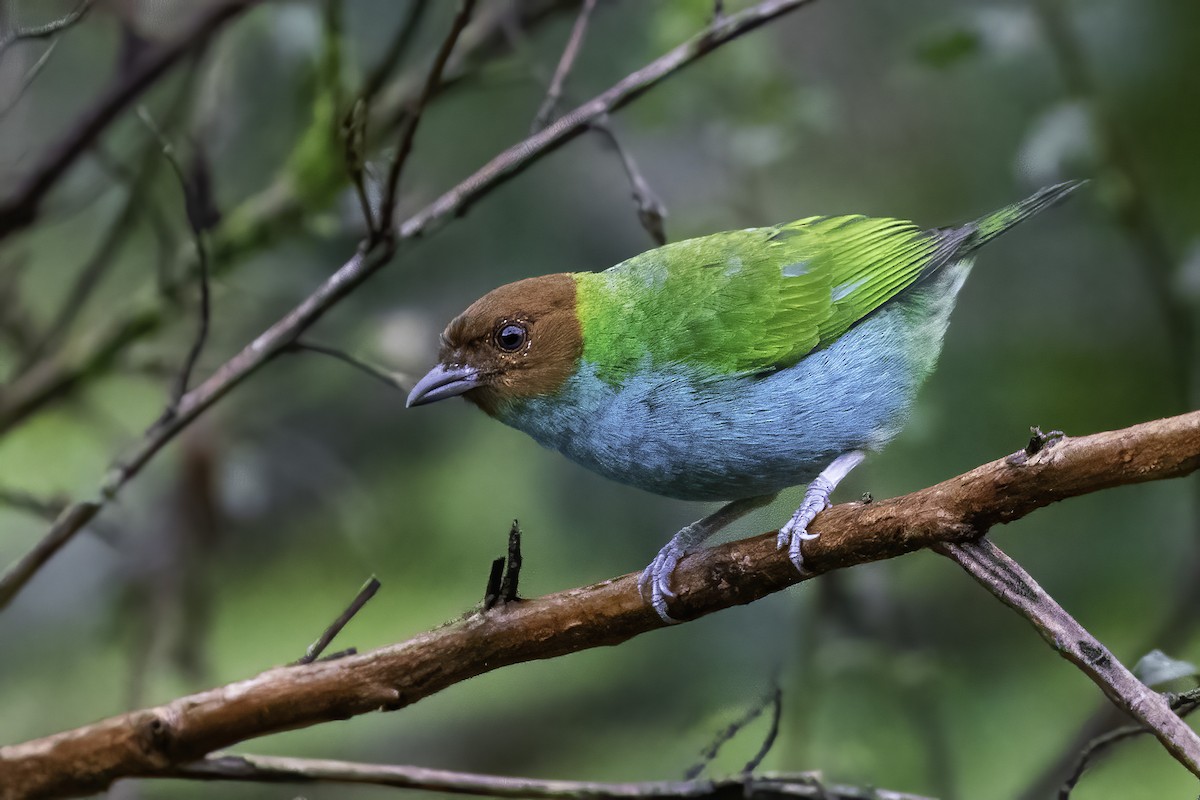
(520, 340)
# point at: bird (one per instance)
(726, 367)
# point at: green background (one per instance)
(903, 674)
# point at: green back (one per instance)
(751, 300)
(763, 298)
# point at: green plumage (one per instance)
(761, 299)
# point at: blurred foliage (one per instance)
(251, 533)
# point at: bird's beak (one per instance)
(442, 382)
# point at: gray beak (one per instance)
(442, 382)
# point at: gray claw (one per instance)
(657, 579)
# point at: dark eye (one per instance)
(511, 337)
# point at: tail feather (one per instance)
(986, 228)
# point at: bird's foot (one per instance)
(655, 582)
(816, 499)
(795, 532)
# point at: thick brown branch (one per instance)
(152, 740)
(374, 253)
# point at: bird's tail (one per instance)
(986, 228)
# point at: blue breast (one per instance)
(682, 434)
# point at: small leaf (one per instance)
(1156, 668)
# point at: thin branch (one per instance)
(315, 649)
(104, 257)
(651, 210)
(1183, 704)
(148, 741)
(48, 30)
(195, 216)
(20, 209)
(408, 131)
(392, 379)
(518, 158)
(274, 769)
(260, 220)
(373, 256)
(713, 748)
(772, 732)
(565, 62)
(354, 143)
(27, 81)
(1013, 586)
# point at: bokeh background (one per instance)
(254, 529)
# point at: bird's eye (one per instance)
(511, 337)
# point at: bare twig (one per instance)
(193, 203)
(260, 220)
(48, 30)
(651, 210)
(565, 62)
(148, 741)
(713, 748)
(1183, 704)
(372, 256)
(315, 649)
(392, 379)
(273, 769)
(354, 136)
(1004, 578)
(20, 209)
(28, 79)
(772, 732)
(104, 257)
(408, 130)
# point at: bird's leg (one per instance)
(816, 500)
(656, 578)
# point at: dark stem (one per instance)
(512, 572)
(192, 203)
(408, 130)
(315, 649)
(380, 374)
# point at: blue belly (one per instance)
(696, 437)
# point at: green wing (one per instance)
(760, 299)
(752, 300)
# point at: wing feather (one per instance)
(748, 301)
